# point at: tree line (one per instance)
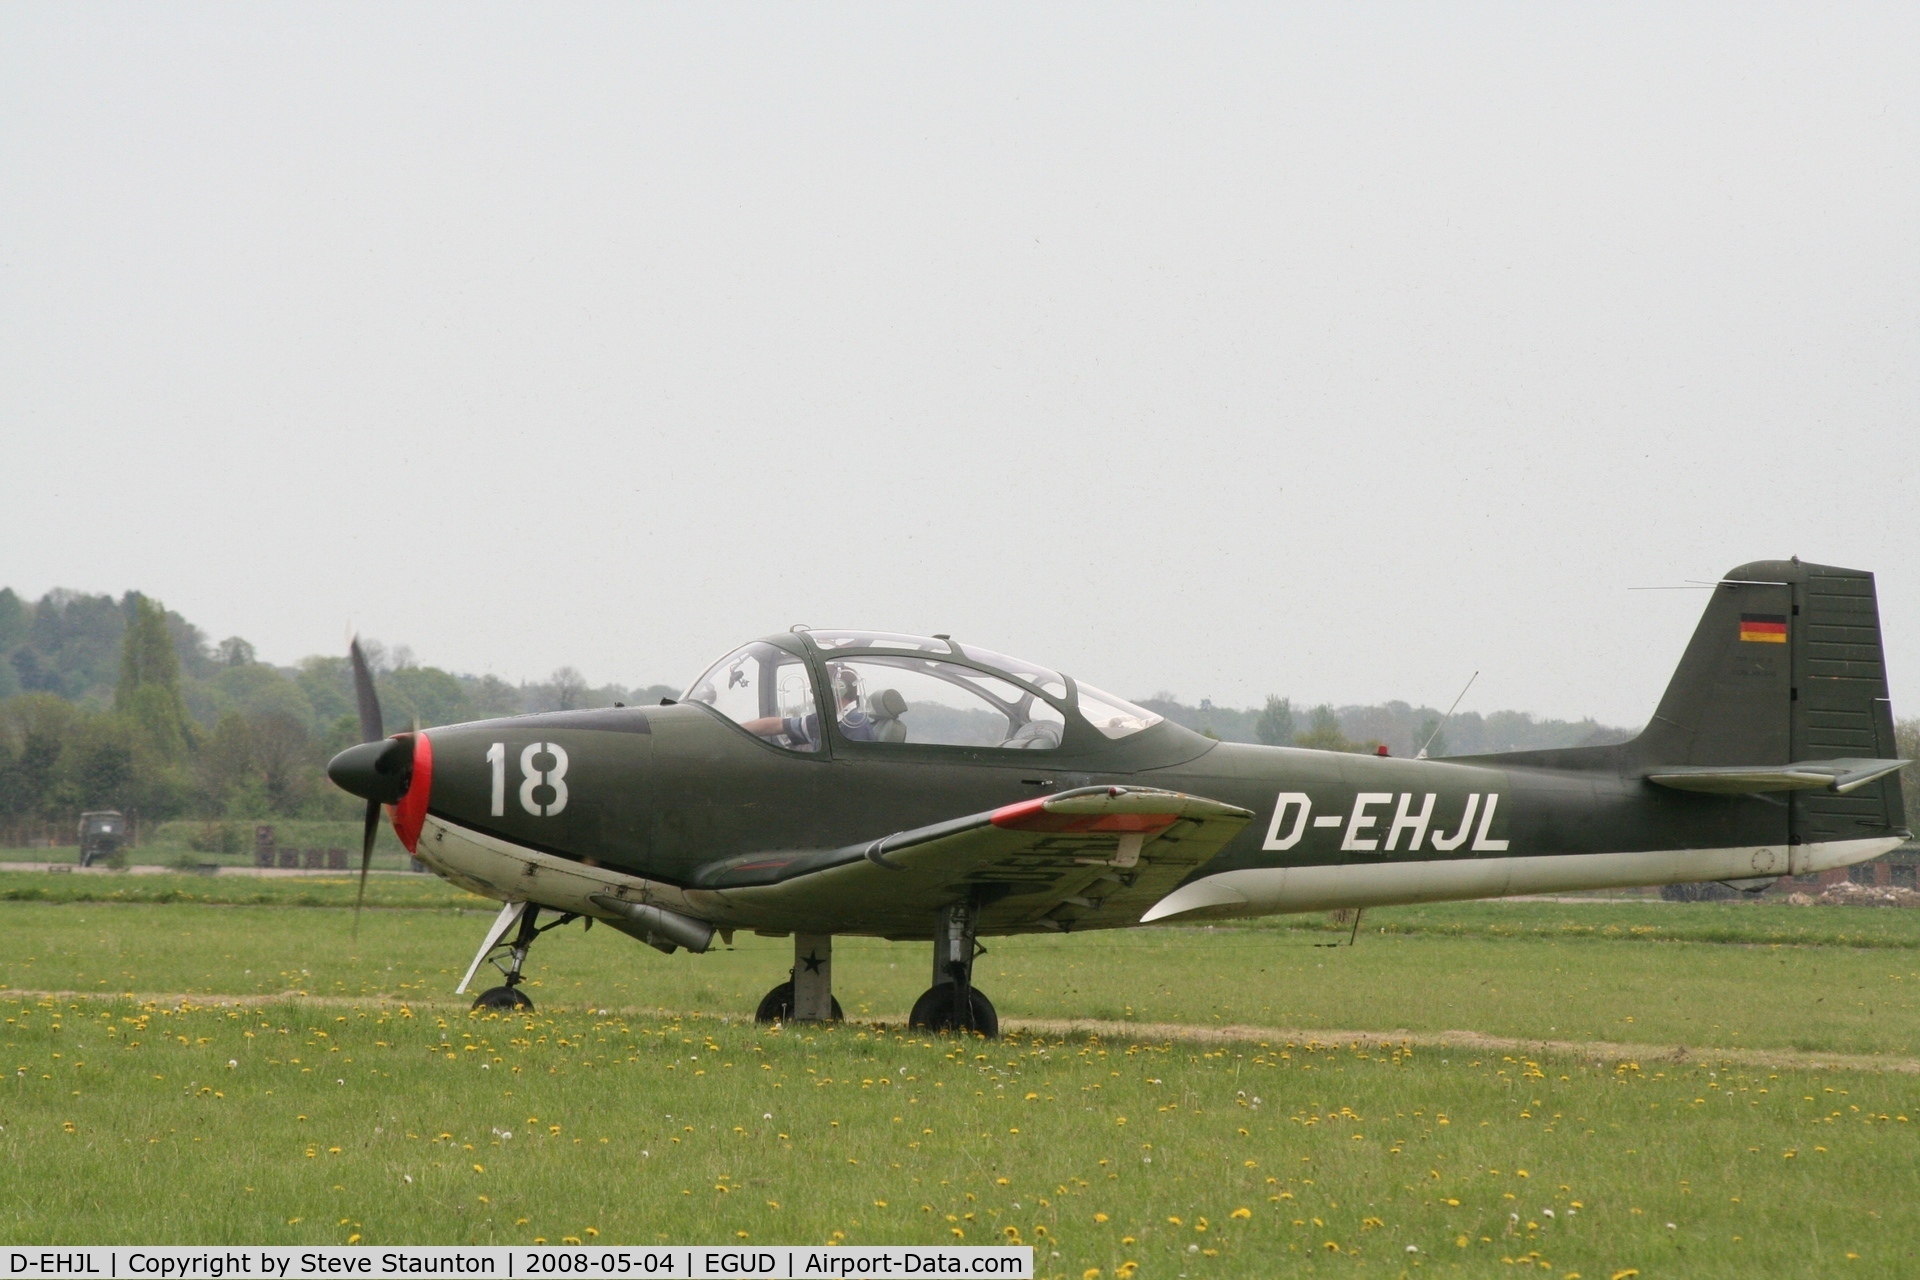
(124, 704)
(1400, 727)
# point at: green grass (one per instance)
(1647, 920)
(1529, 983)
(170, 1143)
(290, 1123)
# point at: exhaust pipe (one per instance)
(656, 926)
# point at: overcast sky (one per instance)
(1333, 351)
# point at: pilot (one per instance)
(804, 731)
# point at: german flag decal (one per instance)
(1767, 628)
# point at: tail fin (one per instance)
(1785, 668)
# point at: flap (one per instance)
(1809, 775)
(1099, 856)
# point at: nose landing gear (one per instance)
(509, 996)
(952, 1003)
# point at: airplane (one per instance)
(819, 783)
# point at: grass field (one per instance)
(376, 1106)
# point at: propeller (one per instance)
(371, 730)
(380, 768)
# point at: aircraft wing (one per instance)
(1094, 857)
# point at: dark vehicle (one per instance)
(102, 833)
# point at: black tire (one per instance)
(777, 1006)
(505, 999)
(934, 1011)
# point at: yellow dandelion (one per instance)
(1241, 1212)
(354, 1238)
(479, 1168)
(1099, 1217)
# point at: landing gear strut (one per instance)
(808, 995)
(509, 996)
(952, 1003)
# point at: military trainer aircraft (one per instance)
(816, 783)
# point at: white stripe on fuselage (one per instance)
(1259, 891)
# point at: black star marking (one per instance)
(813, 962)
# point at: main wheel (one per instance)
(505, 999)
(777, 1006)
(934, 1011)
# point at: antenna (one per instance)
(1443, 719)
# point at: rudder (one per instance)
(1786, 666)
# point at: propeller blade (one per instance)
(364, 695)
(366, 860)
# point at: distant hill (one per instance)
(67, 644)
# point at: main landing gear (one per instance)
(509, 996)
(952, 1003)
(808, 995)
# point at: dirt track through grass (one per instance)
(1120, 1032)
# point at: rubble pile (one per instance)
(1849, 894)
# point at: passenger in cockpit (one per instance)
(804, 730)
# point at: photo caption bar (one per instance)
(671, 1262)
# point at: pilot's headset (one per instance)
(846, 685)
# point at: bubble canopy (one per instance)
(771, 704)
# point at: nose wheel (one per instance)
(952, 1003)
(508, 996)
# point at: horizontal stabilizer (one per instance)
(1839, 776)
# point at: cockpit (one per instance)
(879, 687)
